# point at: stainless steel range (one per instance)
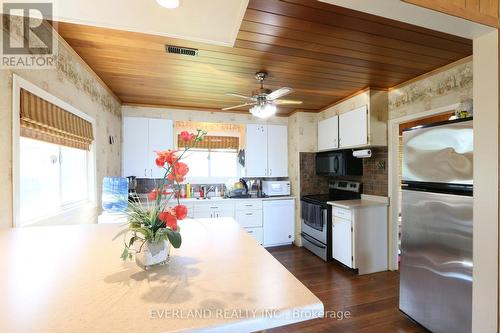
(316, 216)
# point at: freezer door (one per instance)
(439, 154)
(436, 260)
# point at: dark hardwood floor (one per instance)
(372, 300)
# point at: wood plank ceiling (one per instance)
(324, 52)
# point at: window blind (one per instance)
(213, 142)
(44, 121)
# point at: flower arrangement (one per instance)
(154, 227)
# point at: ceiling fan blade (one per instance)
(240, 96)
(237, 106)
(286, 102)
(279, 93)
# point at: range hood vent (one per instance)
(181, 50)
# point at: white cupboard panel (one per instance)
(161, 137)
(342, 241)
(249, 218)
(256, 151)
(248, 204)
(135, 159)
(277, 151)
(353, 128)
(257, 234)
(328, 133)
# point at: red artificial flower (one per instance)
(169, 219)
(167, 156)
(160, 161)
(178, 172)
(186, 136)
(180, 212)
(153, 195)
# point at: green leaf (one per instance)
(125, 254)
(174, 238)
(131, 241)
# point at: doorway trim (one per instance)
(393, 161)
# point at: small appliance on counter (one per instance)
(133, 196)
(239, 189)
(273, 188)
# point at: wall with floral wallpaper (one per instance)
(73, 82)
(302, 137)
(445, 87)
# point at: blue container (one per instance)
(114, 194)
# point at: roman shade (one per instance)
(211, 142)
(44, 121)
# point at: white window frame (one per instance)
(19, 83)
(210, 179)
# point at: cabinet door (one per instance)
(277, 151)
(161, 137)
(342, 241)
(135, 147)
(279, 222)
(353, 128)
(328, 133)
(256, 151)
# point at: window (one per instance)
(52, 178)
(206, 163)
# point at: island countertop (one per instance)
(71, 279)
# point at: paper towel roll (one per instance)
(365, 153)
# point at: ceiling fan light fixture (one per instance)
(263, 111)
(170, 4)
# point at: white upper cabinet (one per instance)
(328, 134)
(266, 151)
(353, 128)
(256, 151)
(135, 147)
(277, 151)
(141, 138)
(160, 138)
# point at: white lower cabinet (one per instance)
(279, 222)
(359, 237)
(342, 241)
(213, 210)
(269, 222)
(257, 234)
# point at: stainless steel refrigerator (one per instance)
(436, 243)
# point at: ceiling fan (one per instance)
(263, 101)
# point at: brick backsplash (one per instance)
(374, 179)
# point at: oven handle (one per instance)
(312, 240)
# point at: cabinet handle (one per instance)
(270, 172)
(249, 205)
(250, 231)
(145, 172)
(249, 214)
(214, 207)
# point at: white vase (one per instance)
(152, 254)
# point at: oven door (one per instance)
(310, 227)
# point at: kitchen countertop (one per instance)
(359, 203)
(71, 279)
(143, 197)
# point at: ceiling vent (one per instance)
(181, 50)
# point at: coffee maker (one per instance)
(132, 189)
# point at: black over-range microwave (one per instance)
(338, 163)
